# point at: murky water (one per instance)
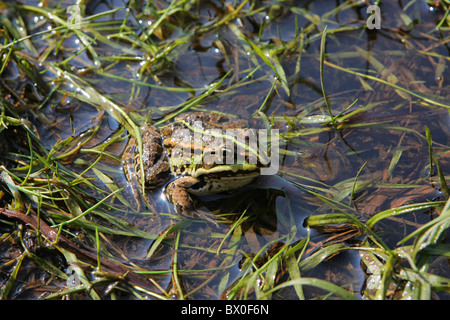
(397, 74)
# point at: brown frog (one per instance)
(194, 155)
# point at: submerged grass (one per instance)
(65, 194)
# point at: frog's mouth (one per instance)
(237, 170)
(223, 179)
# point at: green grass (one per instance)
(70, 97)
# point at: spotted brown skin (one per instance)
(163, 164)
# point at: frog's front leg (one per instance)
(178, 195)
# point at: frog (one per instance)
(195, 155)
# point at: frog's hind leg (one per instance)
(184, 204)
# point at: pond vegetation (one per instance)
(358, 209)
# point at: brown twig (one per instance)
(112, 267)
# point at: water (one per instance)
(150, 77)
